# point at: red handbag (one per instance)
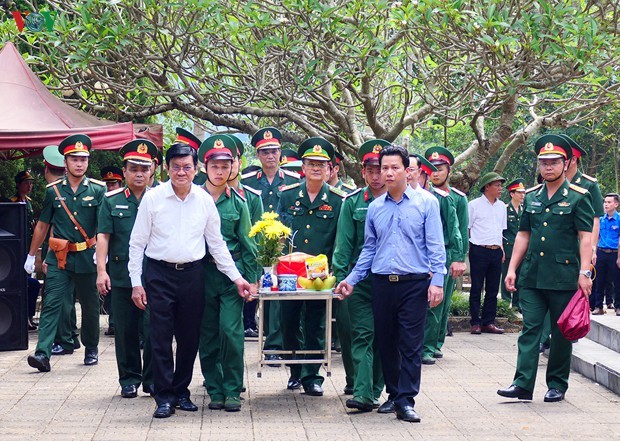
(574, 323)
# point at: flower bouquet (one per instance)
(271, 235)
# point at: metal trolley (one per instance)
(265, 295)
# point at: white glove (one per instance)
(29, 265)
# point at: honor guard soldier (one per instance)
(113, 177)
(290, 161)
(368, 376)
(270, 179)
(514, 208)
(553, 245)
(453, 244)
(311, 210)
(255, 205)
(71, 205)
(221, 332)
(334, 178)
(443, 160)
(116, 219)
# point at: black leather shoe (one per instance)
(406, 413)
(293, 383)
(554, 395)
(348, 390)
(130, 391)
(250, 333)
(76, 342)
(91, 357)
(40, 362)
(275, 357)
(163, 410)
(110, 331)
(186, 405)
(148, 389)
(352, 403)
(387, 407)
(59, 350)
(314, 390)
(515, 392)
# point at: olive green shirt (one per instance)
(462, 213)
(313, 224)
(344, 187)
(270, 192)
(116, 218)
(552, 258)
(84, 204)
(255, 205)
(513, 218)
(450, 222)
(591, 184)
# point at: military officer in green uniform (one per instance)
(334, 175)
(516, 190)
(435, 325)
(116, 218)
(311, 210)
(368, 375)
(255, 205)
(553, 245)
(83, 198)
(112, 176)
(443, 160)
(269, 180)
(290, 161)
(159, 159)
(221, 332)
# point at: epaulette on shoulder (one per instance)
(534, 188)
(115, 191)
(237, 193)
(97, 181)
(249, 175)
(252, 190)
(349, 186)
(292, 174)
(57, 181)
(589, 178)
(440, 192)
(354, 192)
(578, 189)
(290, 187)
(457, 191)
(337, 191)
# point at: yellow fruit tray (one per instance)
(300, 292)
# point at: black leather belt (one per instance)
(176, 266)
(235, 256)
(488, 247)
(608, 250)
(394, 278)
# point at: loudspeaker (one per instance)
(13, 278)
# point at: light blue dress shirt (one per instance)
(402, 238)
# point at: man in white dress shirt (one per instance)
(173, 222)
(487, 220)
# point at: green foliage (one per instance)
(460, 306)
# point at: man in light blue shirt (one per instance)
(404, 250)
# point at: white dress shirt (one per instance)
(487, 221)
(175, 230)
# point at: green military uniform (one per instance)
(221, 330)
(80, 272)
(368, 375)
(201, 176)
(347, 188)
(116, 218)
(549, 271)
(270, 191)
(513, 218)
(314, 227)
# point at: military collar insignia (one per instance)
(325, 208)
(565, 192)
(366, 196)
(240, 191)
(127, 193)
(324, 197)
(281, 173)
(259, 174)
(301, 193)
(227, 191)
(578, 180)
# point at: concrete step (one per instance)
(605, 330)
(597, 363)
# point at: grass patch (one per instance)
(460, 306)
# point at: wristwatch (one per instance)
(586, 273)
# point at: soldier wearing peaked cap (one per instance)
(367, 378)
(221, 330)
(311, 210)
(290, 161)
(553, 246)
(334, 174)
(54, 163)
(116, 219)
(514, 209)
(113, 177)
(71, 205)
(270, 179)
(443, 160)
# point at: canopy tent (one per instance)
(32, 117)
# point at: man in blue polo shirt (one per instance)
(607, 262)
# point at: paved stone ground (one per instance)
(457, 402)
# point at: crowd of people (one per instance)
(174, 262)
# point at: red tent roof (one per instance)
(32, 117)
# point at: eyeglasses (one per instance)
(186, 169)
(319, 165)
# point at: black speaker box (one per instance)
(13, 278)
